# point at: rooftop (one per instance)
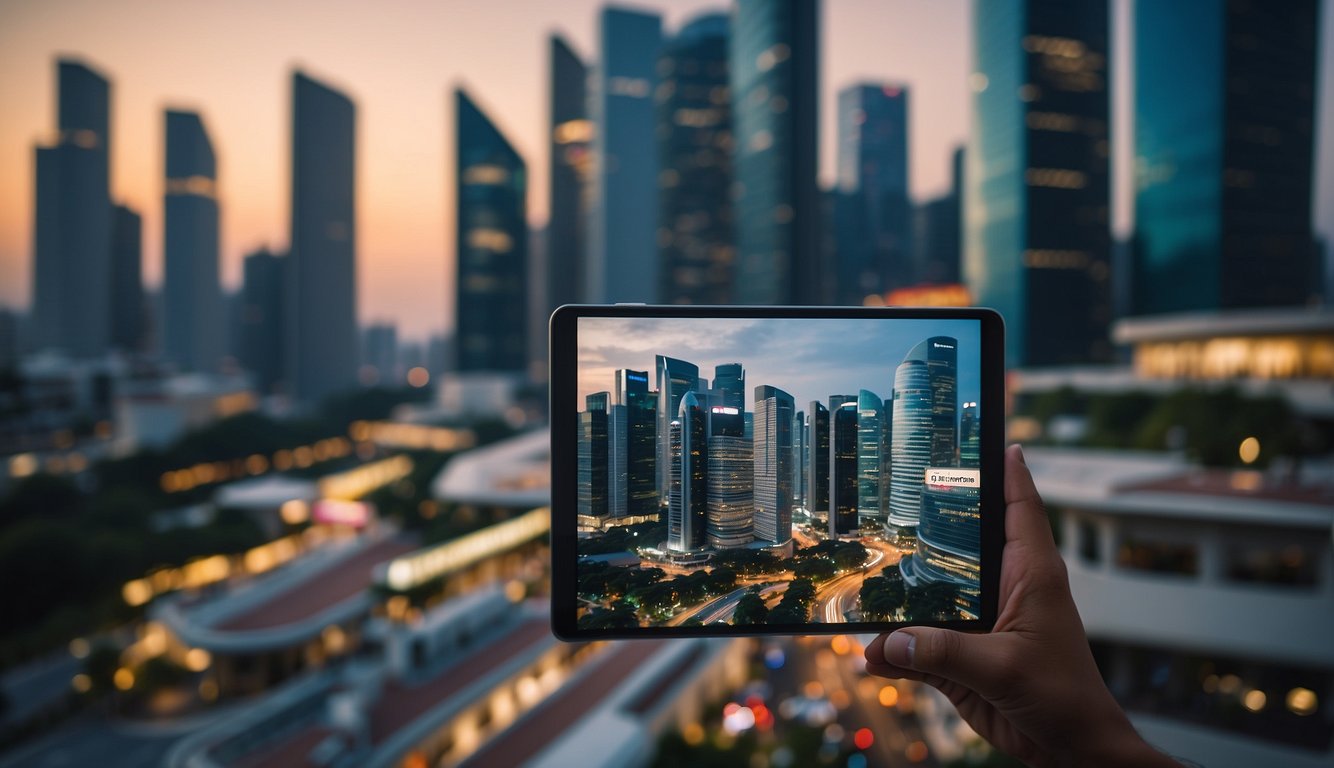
(511, 473)
(1238, 322)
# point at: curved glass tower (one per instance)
(870, 456)
(687, 508)
(925, 431)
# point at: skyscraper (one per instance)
(641, 483)
(937, 230)
(871, 504)
(799, 460)
(874, 236)
(72, 281)
(969, 431)
(1037, 238)
(570, 158)
(949, 544)
(687, 511)
(730, 479)
(773, 60)
(491, 243)
(127, 287)
(591, 456)
(1224, 143)
(924, 431)
(772, 445)
(321, 309)
(843, 469)
(674, 379)
(192, 323)
(817, 460)
(729, 380)
(622, 242)
(694, 146)
(264, 278)
(379, 354)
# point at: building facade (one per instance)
(772, 442)
(193, 320)
(570, 165)
(264, 286)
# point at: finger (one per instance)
(1025, 517)
(977, 662)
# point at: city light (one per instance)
(396, 434)
(419, 377)
(1254, 700)
(409, 571)
(1249, 450)
(1302, 701)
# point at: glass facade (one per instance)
(570, 161)
(729, 381)
(843, 469)
(491, 320)
(674, 379)
(1036, 212)
(871, 455)
(731, 475)
(687, 511)
(774, 409)
(264, 276)
(127, 287)
(72, 233)
(924, 431)
(192, 310)
(321, 308)
(873, 235)
(773, 64)
(817, 463)
(592, 456)
(694, 130)
(623, 252)
(1224, 141)
(641, 461)
(948, 541)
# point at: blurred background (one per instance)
(274, 470)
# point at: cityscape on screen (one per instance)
(707, 501)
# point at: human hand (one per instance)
(1030, 686)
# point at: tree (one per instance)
(721, 581)
(932, 601)
(881, 597)
(815, 569)
(850, 555)
(750, 610)
(621, 615)
(789, 613)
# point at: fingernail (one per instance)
(899, 649)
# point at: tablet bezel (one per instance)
(563, 374)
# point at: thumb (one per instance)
(973, 661)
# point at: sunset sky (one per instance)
(399, 61)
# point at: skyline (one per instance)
(799, 364)
(405, 266)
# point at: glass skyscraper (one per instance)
(949, 544)
(321, 308)
(772, 443)
(969, 441)
(937, 237)
(774, 62)
(674, 379)
(1037, 233)
(694, 146)
(72, 238)
(843, 474)
(192, 311)
(730, 479)
(264, 276)
(729, 380)
(924, 430)
(817, 460)
(491, 244)
(570, 165)
(127, 287)
(640, 445)
(622, 242)
(688, 499)
(591, 460)
(874, 232)
(871, 456)
(1224, 143)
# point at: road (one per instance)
(92, 740)
(838, 596)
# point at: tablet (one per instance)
(774, 470)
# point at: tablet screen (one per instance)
(749, 471)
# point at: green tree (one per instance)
(750, 610)
(815, 569)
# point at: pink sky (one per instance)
(398, 61)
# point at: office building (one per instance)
(937, 232)
(264, 277)
(622, 232)
(193, 323)
(871, 457)
(1037, 238)
(687, 511)
(127, 287)
(729, 383)
(949, 543)
(799, 429)
(592, 456)
(674, 379)
(72, 279)
(570, 166)
(641, 484)
(1224, 144)
(694, 147)
(773, 60)
(924, 424)
(970, 427)
(817, 463)
(772, 442)
(321, 308)
(491, 245)
(730, 479)
(379, 355)
(874, 231)
(843, 470)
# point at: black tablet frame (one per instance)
(563, 372)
